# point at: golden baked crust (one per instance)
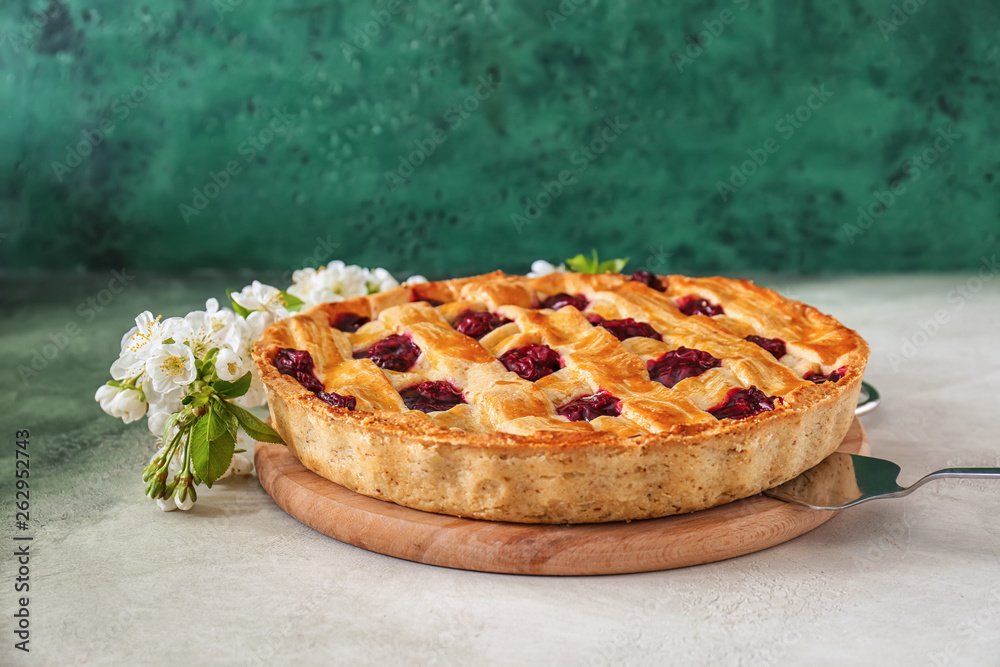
(507, 455)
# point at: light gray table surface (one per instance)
(237, 581)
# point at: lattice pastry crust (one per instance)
(508, 453)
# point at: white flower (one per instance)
(229, 366)
(258, 296)
(254, 326)
(125, 403)
(415, 280)
(379, 280)
(205, 329)
(157, 421)
(334, 282)
(239, 466)
(139, 342)
(171, 366)
(541, 268)
(122, 371)
(167, 402)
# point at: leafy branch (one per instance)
(592, 264)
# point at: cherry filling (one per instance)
(432, 396)
(648, 279)
(680, 364)
(557, 301)
(819, 378)
(629, 328)
(299, 365)
(692, 305)
(593, 318)
(531, 362)
(349, 322)
(742, 403)
(775, 346)
(478, 324)
(336, 400)
(601, 404)
(394, 353)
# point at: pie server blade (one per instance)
(844, 480)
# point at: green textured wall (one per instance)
(471, 107)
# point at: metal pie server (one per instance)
(845, 480)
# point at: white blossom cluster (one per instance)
(157, 359)
(337, 281)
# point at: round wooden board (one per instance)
(727, 531)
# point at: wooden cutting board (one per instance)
(727, 531)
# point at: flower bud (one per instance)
(166, 504)
(155, 487)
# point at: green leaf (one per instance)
(237, 308)
(219, 421)
(213, 441)
(199, 443)
(592, 264)
(233, 389)
(292, 303)
(211, 356)
(371, 287)
(254, 427)
(212, 459)
(612, 266)
(200, 367)
(198, 400)
(582, 264)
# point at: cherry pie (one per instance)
(565, 398)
